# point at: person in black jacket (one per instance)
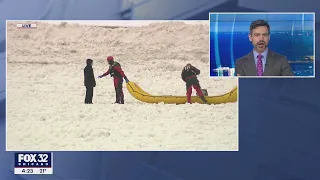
(189, 76)
(89, 81)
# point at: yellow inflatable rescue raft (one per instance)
(141, 95)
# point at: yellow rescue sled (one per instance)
(141, 95)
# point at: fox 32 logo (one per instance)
(33, 160)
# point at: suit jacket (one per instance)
(276, 65)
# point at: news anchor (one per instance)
(261, 61)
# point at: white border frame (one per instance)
(75, 21)
(298, 77)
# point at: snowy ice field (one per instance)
(45, 92)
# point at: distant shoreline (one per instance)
(302, 62)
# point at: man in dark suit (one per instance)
(89, 81)
(262, 61)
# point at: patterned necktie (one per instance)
(259, 65)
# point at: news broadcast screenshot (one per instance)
(159, 89)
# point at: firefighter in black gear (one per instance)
(118, 75)
(189, 76)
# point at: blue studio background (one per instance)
(279, 118)
(291, 35)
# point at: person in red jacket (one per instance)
(118, 75)
(189, 76)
